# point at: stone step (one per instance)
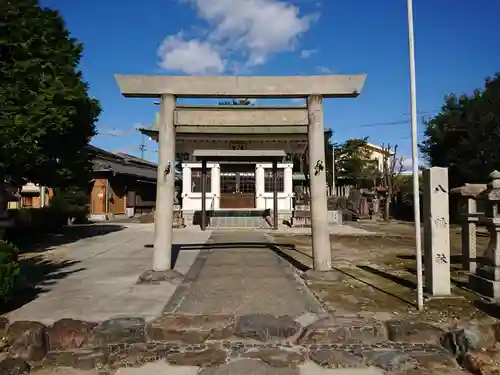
(238, 222)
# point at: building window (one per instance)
(196, 180)
(268, 180)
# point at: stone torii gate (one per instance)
(168, 88)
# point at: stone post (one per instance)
(469, 253)
(486, 281)
(317, 170)
(437, 232)
(165, 186)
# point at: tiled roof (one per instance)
(124, 168)
(105, 161)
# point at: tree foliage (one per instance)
(9, 271)
(301, 161)
(46, 115)
(236, 102)
(465, 135)
(354, 165)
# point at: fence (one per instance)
(341, 191)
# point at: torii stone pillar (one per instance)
(314, 88)
(322, 257)
(165, 186)
(165, 190)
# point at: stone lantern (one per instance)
(467, 196)
(486, 281)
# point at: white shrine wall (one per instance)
(191, 201)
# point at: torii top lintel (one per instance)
(328, 86)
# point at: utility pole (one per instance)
(334, 186)
(414, 154)
(142, 147)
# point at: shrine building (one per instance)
(240, 144)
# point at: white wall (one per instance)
(192, 201)
(264, 200)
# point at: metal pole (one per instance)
(203, 195)
(275, 194)
(334, 186)
(414, 155)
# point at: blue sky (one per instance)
(456, 47)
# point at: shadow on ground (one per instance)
(37, 276)
(66, 235)
(388, 284)
(275, 247)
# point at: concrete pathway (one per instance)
(94, 279)
(239, 274)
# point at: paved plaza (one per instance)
(100, 282)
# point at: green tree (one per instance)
(465, 135)
(46, 115)
(301, 161)
(245, 101)
(354, 165)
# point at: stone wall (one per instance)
(209, 340)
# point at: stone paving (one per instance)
(239, 274)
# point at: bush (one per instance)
(72, 204)
(9, 270)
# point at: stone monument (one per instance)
(436, 232)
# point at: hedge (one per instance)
(9, 270)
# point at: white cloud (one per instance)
(191, 57)
(242, 34)
(324, 69)
(305, 53)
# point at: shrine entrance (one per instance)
(237, 186)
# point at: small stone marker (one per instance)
(436, 232)
(469, 245)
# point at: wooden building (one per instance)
(122, 185)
